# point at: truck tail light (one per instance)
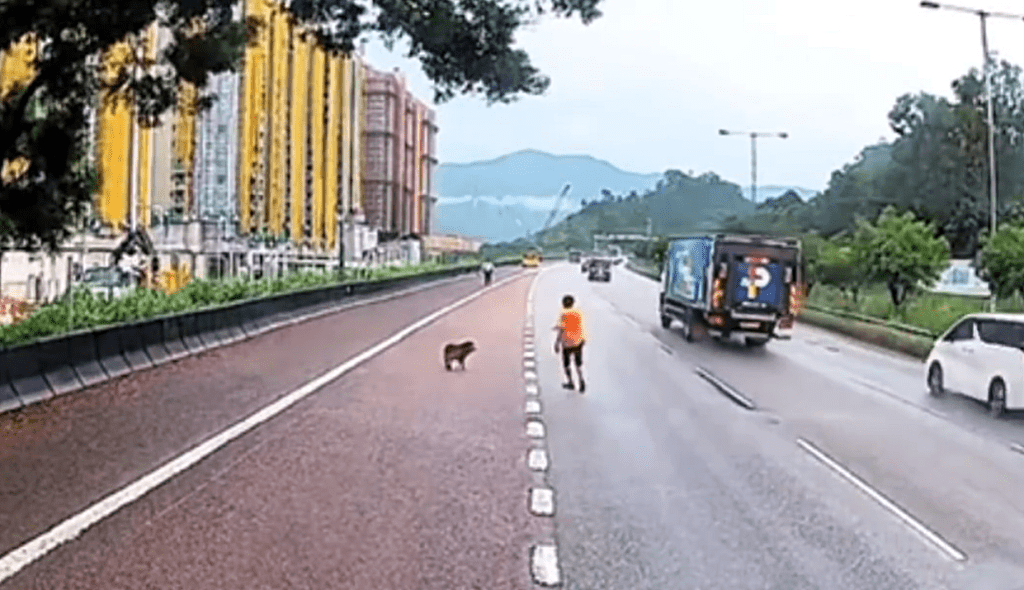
(715, 320)
(718, 294)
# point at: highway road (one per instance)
(338, 453)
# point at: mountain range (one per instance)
(510, 196)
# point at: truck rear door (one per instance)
(758, 283)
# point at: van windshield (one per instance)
(1001, 332)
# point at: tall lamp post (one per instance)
(986, 60)
(753, 153)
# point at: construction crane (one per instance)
(554, 212)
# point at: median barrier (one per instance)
(9, 400)
(171, 328)
(108, 350)
(54, 365)
(133, 348)
(83, 358)
(26, 378)
(234, 323)
(221, 319)
(152, 334)
(254, 318)
(206, 328)
(190, 333)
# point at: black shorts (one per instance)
(569, 352)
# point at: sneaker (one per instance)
(568, 385)
(583, 386)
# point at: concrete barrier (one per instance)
(108, 351)
(9, 400)
(83, 358)
(133, 348)
(54, 355)
(190, 333)
(234, 323)
(25, 374)
(152, 334)
(175, 346)
(206, 329)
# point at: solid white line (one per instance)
(18, 558)
(534, 429)
(542, 501)
(544, 565)
(530, 376)
(532, 389)
(537, 459)
(532, 406)
(919, 527)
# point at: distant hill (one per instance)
(513, 195)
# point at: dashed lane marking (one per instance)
(537, 459)
(534, 429)
(725, 388)
(916, 525)
(530, 375)
(544, 565)
(69, 529)
(529, 354)
(532, 390)
(529, 364)
(532, 406)
(542, 501)
(1017, 447)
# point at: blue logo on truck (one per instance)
(759, 283)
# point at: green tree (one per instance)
(840, 266)
(900, 251)
(464, 46)
(1002, 260)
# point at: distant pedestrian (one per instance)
(570, 341)
(488, 269)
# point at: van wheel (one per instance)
(935, 386)
(997, 398)
(666, 321)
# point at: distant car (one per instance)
(600, 270)
(981, 356)
(574, 256)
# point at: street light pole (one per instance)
(986, 61)
(753, 153)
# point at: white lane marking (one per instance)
(529, 364)
(532, 406)
(537, 459)
(18, 558)
(529, 354)
(534, 429)
(544, 565)
(725, 388)
(1017, 447)
(530, 376)
(916, 525)
(542, 501)
(532, 389)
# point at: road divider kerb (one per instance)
(725, 388)
(933, 538)
(71, 528)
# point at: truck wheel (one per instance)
(754, 342)
(666, 321)
(688, 326)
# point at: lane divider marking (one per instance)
(544, 565)
(725, 388)
(70, 528)
(531, 389)
(1017, 447)
(916, 525)
(542, 501)
(530, 375)
(537, 459)
(529, 354)
(529, 364)
(532, 406)
(534, 429)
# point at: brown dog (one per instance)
(457, 352)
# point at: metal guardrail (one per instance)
(40, 370)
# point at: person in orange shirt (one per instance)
(570, 340)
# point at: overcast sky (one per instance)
(647, 86)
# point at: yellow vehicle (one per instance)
(531, 259)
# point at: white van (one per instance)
(981, 356)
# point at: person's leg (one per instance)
(566, 359)
(578, 354)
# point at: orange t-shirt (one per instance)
(571, 324)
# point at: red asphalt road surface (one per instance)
(396, 475)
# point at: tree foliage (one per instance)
(464, 46)
(900, 251)
(1002, 260)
